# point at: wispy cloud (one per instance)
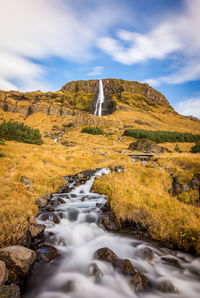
(189, 107)
(97, 70)
(37, 30)
(176, 37)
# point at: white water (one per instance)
(100, 100)
(77, 241)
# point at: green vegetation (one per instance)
(15, 131)
(177, 149)
(2, 155)
(160, 136)
(196, 148)
(2, 142)
(93, 130)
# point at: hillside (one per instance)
(60, 116)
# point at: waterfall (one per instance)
(100, 100)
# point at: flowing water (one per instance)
(78, 236)
(100, 100)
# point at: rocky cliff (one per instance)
(80, 96)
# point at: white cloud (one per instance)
(176, 37)
(189, 107)
(97, 70)
(34, 30)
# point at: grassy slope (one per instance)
(141, 196)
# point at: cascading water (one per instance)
(100, 100)
(77, 236)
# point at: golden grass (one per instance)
(142, 195)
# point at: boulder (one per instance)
(109, 221)
(47, 253)
(47, 196)
(124, 266)
(18, 258)
(3, 273)
(41, 202)
(171, 261)
(11, 291)
(95, 272)
(36, 230)
(146, 254)
(49, 216)
(166, 287)
(139, 282)
(26, 181)
(147, 146)
(105, 254)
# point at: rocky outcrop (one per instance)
(81, 96)
(147, 146)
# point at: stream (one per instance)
(77, 236)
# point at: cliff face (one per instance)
(80, 96)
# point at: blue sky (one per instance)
(46, 43)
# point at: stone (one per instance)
(3, 273)
(139, 282)
(11, 291)
(124, 266)
(46, 253)
(36, 230)
(18, 258)
(41, 202)
(105, 254)
(166, 287)
(72, 213)
(95, 271)
(171, 261)
(26, 181)
(32, 220)
(49, 216)
(147, 146)
(146, 254)
(109, 221)
(47, 196)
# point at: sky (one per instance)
(46, 43)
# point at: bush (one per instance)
(2, 155)
(2, 142)
(15, 131)
(160, 136)
(196, 148)
(177, 149)
(93, 130)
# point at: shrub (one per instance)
(160, 136)
(15, 131)
(93, 130)
(2, 155)
(2, 142)
(196, 148)
(177, 149)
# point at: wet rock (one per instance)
(41, 202)
(73, 196)
(146, 254)
(49, 208)
(26, 181)
(109, 221)
(57, 201)
(49, 216)
(91, 218)
(36, 230)
(18, 258)
(124, 266)
(46, 254)
(3, 273)
(65, 189)
(105, 207)
(72, 213)
(95, 272)
(171, 261)
(11, 291)
(147, 146)
(166, 287)
(69, 286)
(47, 196)
(105, 254)
(32, 220)
(139, 282)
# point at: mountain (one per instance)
(79, 96)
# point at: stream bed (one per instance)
(77, 274)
